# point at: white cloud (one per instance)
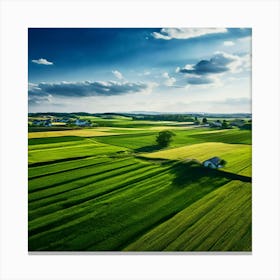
(42, 61)
(216, 70)
(149, 88)
(219, 63)
(236, 63)
(246, 39)
(42, 92)
(185, 33)
(188, 67)
(118, 74)
(169, 81)
(229, 43)
(246, 62)
(165, 75)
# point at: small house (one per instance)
(37, 122)
(216, 124)
(82, 122)
(64, 120)
(48, 123)
(213, 163)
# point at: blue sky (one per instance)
(139, 69)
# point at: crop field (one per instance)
(79, 132)
(238, 156)
(112, 188)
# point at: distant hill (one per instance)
(145, 113)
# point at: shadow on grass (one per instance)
(51, 140)
(148, 149)
(191, 171)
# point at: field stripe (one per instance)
(152, 217)
(73, 152)
(78, 185)
(171, 200)
(82, 186)
(130, 186)
(198, 237)
(64, 177)
(54, 169)
(64, 148)
(230, 235)
(69, 227)
(53, 219)
(190, 228)
(40, 147)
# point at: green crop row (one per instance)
(71, 152)
(90, 193)
(137, 203)
(217, 222)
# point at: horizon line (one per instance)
(139, 112)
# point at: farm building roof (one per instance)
(214, 160)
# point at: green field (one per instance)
(112, 188)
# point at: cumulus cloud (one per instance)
(221, 62)
(117, 74)
(45, 91)
(185, 33)
(228, 43)
(36, 96)
(42, 61)
(210, 71)
(169, 81)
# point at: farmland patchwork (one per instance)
(114, 189)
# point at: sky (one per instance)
(176, 70)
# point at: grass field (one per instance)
(113, 189)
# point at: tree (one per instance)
(204, 120)
(224, 124)
(196, 121)
(164, 138)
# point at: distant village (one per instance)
(48, 121)
(71, 120)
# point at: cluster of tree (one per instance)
(197, 121)
(224, 124)
(58, 115)
(247, 126)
